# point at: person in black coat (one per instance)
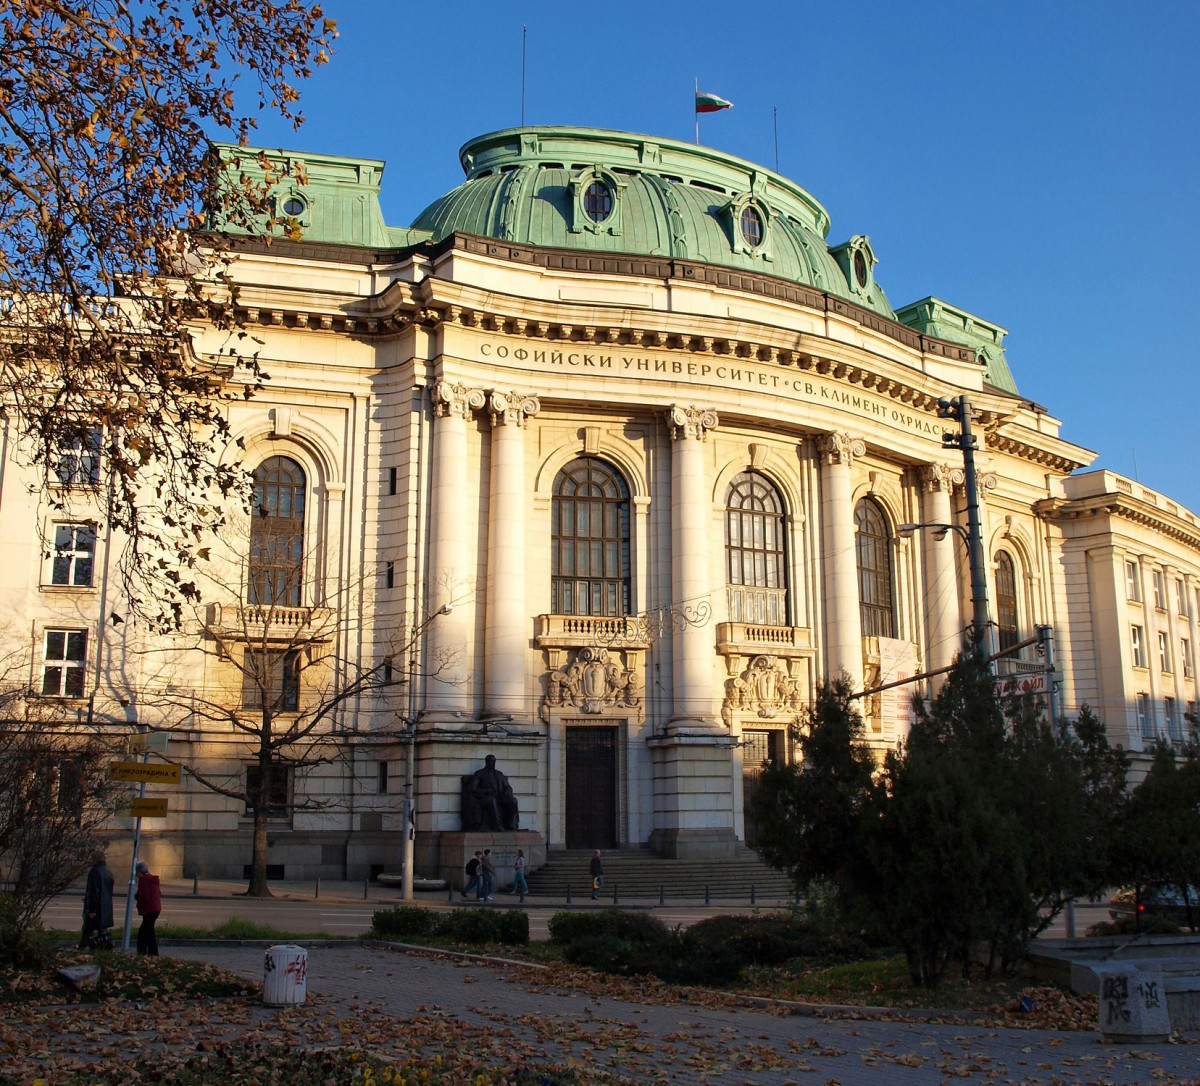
(97, 905)
(597, 875)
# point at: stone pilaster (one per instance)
(942, 598)
(507, 626)
(691, 509)
(448, 637)
(843, 622)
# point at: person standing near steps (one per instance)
(597, 875)
(149, 905)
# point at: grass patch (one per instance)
(236, 927)
(251, 1065)
(123, 976)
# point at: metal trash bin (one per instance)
(285, 975)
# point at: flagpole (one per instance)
(775, 118)
(697, 112)
(523, 32)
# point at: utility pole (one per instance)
(960, 410)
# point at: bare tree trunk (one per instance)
(258, 858)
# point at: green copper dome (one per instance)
(615, 192)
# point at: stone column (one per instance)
(1192, 599)
(843, 622)
(691, 512)
(447, 638)
(942, 599)
(508, 626)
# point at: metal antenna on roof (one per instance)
(523, 35)
(775, 120)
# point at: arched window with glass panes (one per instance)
(277, 534)
(755, 563)
(873, 545)
(1008, 626)
(589, 546)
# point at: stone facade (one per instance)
(615, 506)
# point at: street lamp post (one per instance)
(410, 740)
(960, 410)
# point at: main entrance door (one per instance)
(759, 748)
(591, 787)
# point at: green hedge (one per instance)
(774, 939)
(640, 927)
(509, 927)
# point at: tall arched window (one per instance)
(1007, 622)
(589, 564)
(874, 547)
(277, 533)
(756, 571)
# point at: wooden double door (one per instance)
(591, 787)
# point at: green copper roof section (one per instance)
(334, 200)
(932, 316)
(667, 199)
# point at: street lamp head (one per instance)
(445, 608)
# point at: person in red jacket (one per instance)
(149, 905)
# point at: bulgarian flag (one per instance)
(710, 103)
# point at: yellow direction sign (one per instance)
(145, 808)
(149, 772)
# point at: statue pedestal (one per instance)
(447, 853)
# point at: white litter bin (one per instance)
(285, 975)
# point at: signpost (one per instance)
(143, 772)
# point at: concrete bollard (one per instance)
(614, 893)
(568, 893)
(317, 889)
(1133, 1006)
(366, 884)
(707, 895)
(662, 895)
(752, 895)
(195, 886)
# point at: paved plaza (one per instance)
(395, 1003)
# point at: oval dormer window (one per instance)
(294, 207)
(860, 267)
(752, 227)
(598, 201)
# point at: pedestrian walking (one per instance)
(519, 886)
(474, 874)
(149, 905)
(487, 876)
(97, 906)
(597, 875)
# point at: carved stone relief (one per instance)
(765, 688)
(595, 681)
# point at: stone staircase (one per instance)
(641, 875)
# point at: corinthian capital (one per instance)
(935, 477)
(688, 422)
(840, 448)
(512, 407)
(454, 398)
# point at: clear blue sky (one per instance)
(1033, 163)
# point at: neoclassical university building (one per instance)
(614, 457)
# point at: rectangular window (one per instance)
(1144, 717)
(1164, 653)
(1133, 581)
(391, 480)
(63, 663)
(79, 462)
(389, 575)
(1172, 720)
(1181, 597)
(1137, 642)
(72, 561)
(1185, 656)
(271, 680)
(381, 784)
(278, 793)
(1160, 589)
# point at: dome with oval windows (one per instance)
(617, 192)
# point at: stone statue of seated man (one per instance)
(488, 800)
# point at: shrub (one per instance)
(771, 940)
(23, 943)
(403, 922)
(509, 927)
(635, 927)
